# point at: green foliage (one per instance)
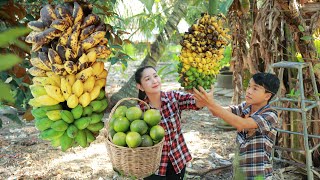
(7, 61)
(227, 57)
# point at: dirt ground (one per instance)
(24, 156)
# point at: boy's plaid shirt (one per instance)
(174, 148)
(256, 146)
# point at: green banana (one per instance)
(72, 131)
(55, 142)
(90, 137)
(87, 111)
(38, 113)
(104, 105)
(54, 115)
(95, 118)
(59, 125)
(82, 122)
(66, 142)
(67, 116)
(101, 95)
(96, 105)
(81, 138)
(77, 111)
(50, 134)
(43, 123)
(95, 127)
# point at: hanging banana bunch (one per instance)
(68, 95)
(203, 47)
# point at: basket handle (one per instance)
(114, 109)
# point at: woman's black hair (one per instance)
(137, 76)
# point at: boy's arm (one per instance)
(221, 112)
(232, 119)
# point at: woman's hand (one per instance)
(203, 97)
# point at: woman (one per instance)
(175, 153)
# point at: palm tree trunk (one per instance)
(239, 49)
(156, 51)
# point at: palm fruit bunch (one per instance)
(203, 47)
(68, 84)
(130, 127)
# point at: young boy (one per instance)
(255, 121)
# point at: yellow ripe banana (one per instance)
(85, 74)
(36, 62)
(55, 77)
(44, 81)
(95, 92)
(70, 55)
(104, 41)
(51, 33)
(36, 25)
(85, 99)
(34, 71)
(70, 67)
(77, 88)
(60, 24)
(54, 57)
(63, 40)
(89, 84)
(86, 32)
(34, 102)
(100, 82)
(89, 20)
(84, 58)
(72, 101)
(73, 38)
(82, 66)
(63, 13)
(71, 79)
(102, 75)
(37, 90)
(45, 59)
(46, 100)
(92, 56)
(59, 69)
(66, 88)
(54, 92)
(93, 40)
(47, 14)
(97, 68)
(77, 13)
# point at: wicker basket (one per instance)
(137, 162)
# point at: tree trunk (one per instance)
(239, 49)
(156, 51)
(295, 19)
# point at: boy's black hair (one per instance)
(269, 81)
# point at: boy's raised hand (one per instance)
(204, 97)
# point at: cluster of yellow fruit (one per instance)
(133, 128)
(73, 127)
(67, 41)
(203, 47)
